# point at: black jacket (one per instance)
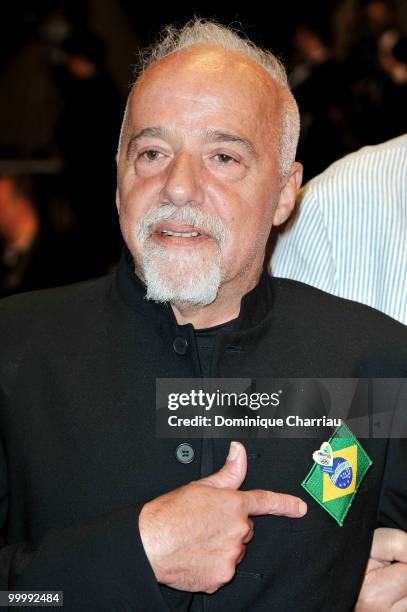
(79, 455)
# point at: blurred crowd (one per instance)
(61, 109)
(350, 80)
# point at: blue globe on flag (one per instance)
(342, 473)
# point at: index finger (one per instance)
(260, 502)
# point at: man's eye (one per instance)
(225, 159)
(150, 155)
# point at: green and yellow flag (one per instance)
(341, 464)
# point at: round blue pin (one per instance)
(342, 473)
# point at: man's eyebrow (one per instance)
(220, 136)
(210, 135)
(148, 132)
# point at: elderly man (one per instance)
(91, 502)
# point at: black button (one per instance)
(185, 453)
(180, 345)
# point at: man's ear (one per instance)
(288, 194)
(117, 200)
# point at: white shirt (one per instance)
(350, 237)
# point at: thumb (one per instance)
(389, 545)
(233, 473)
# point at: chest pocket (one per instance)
(281, 466)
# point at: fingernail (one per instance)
(302, 508)
(233, 451)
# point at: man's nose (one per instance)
(183, 181)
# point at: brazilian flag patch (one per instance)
(339, 468)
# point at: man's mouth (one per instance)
(180, 234)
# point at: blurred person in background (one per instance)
(87, 137)
(392, 53)
(30, 256)
(318, 84)
(364, 46)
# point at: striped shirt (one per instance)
(350, 237)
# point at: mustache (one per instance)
(210, 224)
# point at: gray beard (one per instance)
(180, 277)
(191, 276)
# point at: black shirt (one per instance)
(205, 343)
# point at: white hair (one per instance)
(198, 31)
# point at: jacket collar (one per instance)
(255, 308)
